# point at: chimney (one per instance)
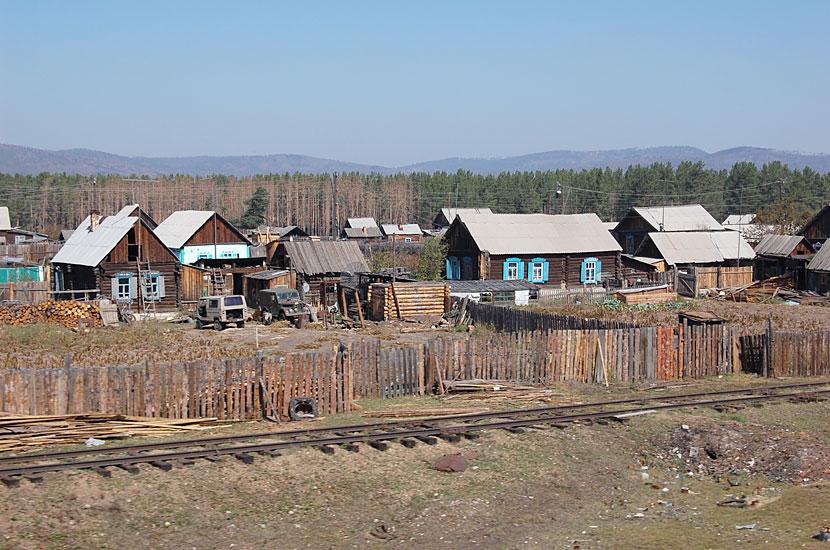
(94, 220)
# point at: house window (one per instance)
(203, 256)
(153, 286)
(123, 289)
(513, 269)
(407, 239)
(508, 296)
(453, 268)
(591, 271)
(538, 270)
(229, 254)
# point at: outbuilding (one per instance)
(786, 255)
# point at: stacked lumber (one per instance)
(760, 291)
(483, 386)
(21, 433)
(512, 397)
(69, 313)
(387, 300)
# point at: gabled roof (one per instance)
(325, 257)
(367, 232)
(538, 233)
(821, 261)
(689, 217)
(739, 219)
(181, 225)
(5, 219)
(450, 213)
(780, 245)
(89, 248)
(361, 222)
(402, 229)
(818, 215)
(700, 247)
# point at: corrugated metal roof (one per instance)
(180, 226)
(361, 222)
(5, 219)
(451, 213)
(689, 217)
(402, 229)
(739, 219)
(490, 286)
(362, 232)
(778, 245)
(701, 247)
(89, 248)
(732, 245)
(322, 257)
(539, 233)
(821, 261)
(268, 274)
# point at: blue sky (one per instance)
(398, 82)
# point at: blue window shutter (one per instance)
(456, 268)
(599, 270)
(162, 293)
(582, 271)
(133, 287)
(449, 270)
(504, 269)
(521, 270)
(545, 272)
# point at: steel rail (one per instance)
(401, 424)
(243, 451)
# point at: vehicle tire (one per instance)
(302, 408)
(217, 325)
(267, 318)
(240, 324)
(281, 315)
(199, 324)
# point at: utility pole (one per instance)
(335, 217)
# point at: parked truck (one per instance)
(222, 311)
(281, 303)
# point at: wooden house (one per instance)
(787, 255)
(446, 216)
(16, 235)
(362, 229)
(403, 233)
(194, 235)
(320, 266)
(818, 271)
(569, 250)
(633, 228)
(120, 257)
(817, 230)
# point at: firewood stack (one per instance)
(69, 313)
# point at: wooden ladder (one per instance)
(217, 282)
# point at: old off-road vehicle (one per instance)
(221, 311)
(281, 303)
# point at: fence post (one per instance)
(769, 365)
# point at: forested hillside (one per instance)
(50, 202)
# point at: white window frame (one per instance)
(590, 271)
(123, 287)
(407, 239)
(539, 275)
(512, 271)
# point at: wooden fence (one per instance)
(644, 354)
(578, 295)
(700, 278)
(25, 292)
(799, 354)
(508, 319)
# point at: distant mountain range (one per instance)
(15, 159)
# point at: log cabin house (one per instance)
(403, 233)
(362, 229)
(633, 228)
(120, 257)
(786, 255)
(194, 235)
(817, 230)
(568, 250)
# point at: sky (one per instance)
(392, 83)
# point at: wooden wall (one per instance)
(217, 230)
(561, 267)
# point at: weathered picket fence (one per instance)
(509, 319)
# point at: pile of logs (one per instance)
(21, 433)
(402, 300)
(68, 313)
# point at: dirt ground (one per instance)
(748, 315)
(653, 482)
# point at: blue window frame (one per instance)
(591, 272)
(514, 269)
(453, 268)
(537, 270)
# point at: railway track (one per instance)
(380, 435)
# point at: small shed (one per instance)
(269, 278)
(698, 318)
(787, 255)
(516, 293)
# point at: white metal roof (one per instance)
(778, 245)
(739, 219)
(180, 226)
(689, 217)
(5, 219)
(701, 247)
(450, 213)
(89, 248)
(361, 222)
(610, 226)
(821, 261)
(539, 233)
(404, 229)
